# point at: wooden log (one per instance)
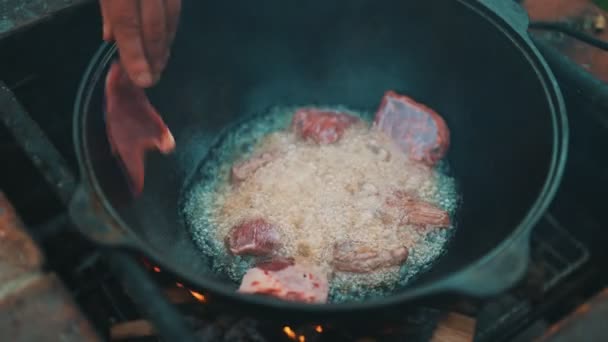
(132, 329)
(454, 327)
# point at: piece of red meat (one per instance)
(243, 170)
(418, 130)
(275, 264)
(321, 126)
(418, 212)
(292, 282)
(426, 215)
(357, 257)
(253, 237)
(133, 125)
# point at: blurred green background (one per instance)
(602, 3)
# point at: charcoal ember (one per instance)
(133, 126)
(245, 330)
(321, 126)
(209, 331)
(418, 131)
(207, 328)
(226, 328)
(416, 212)
(357, 257)
(243, 170)
(255, 237)
(295, 282)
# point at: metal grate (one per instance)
(556, 252)
(555, 255)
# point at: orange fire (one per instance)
(292, 334)
(289, 332)
(319, 329)
(198, 296)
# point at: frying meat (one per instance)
(426, 215)
(275, 264)
(357, 257)
(339, 195)
(323, 127)
(133, 125)
(418, 130)
(287, 280)
(417, 212)
(245, 169)
(253, 237)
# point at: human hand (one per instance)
(144, 31)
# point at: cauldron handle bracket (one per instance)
(495, 274)
(83, 212)
(148, 298)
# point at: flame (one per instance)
(198, 296)
(156, 269)
(292, 334)
(319, 329)
(289, 332)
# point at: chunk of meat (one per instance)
(292, 282)
(417, 212)
(275, 264)
(321, 126)
(133, 125)
(243, 170)
(357, 257)
(426, 215)
(418, 130)
(253, 237)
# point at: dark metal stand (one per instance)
(145, 293)
(148, 297)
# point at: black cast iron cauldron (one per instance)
(472, 61)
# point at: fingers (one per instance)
(154, 32)
(173, 8)
(144, 31)
(127, 30)
(107, 25)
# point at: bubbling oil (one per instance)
(205, 203)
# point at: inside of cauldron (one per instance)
(236, 59)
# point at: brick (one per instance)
(19, 254)
(454, 328)
(42, 310)
(33, 306)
